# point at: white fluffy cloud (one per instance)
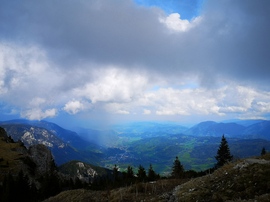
(175, 23)
(226, 100)
(34, 85)
(38, 114)
(113, 85)
(73, 107)
(26, 75)
(147, 111)
(169, 101)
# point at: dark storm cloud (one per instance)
(238, 38)
(104, 31)
(231, 40)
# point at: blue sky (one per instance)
(187, 8)
(101, 62)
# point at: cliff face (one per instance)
(3, 133)
(83, 171)
(42, 157)
(31, 135)
(15, 157)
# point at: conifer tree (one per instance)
(115, 173)
(130, 173)
(141, 173)
(223, 154)
(263, 152)
(177, 169)
(128, 176)
(151, 173)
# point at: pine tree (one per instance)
(223, 154)
(130, 173)
(115, 173)
(177, 169)
(128, 176)
(151, 173)
(141, 173)
(263, 152)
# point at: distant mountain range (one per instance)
(211, 128)
(240, 129)
(64, 144)
(144, 142)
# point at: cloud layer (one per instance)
(121, 58)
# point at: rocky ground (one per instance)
(154, 191)
(245, 180)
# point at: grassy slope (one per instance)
(246, 179)
(11, 159)
(239, 181)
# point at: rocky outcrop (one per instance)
(15, 157)
(3, 133)
(42, 157)
(245, 180)
(83, 171)
(31, 135)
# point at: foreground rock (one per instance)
(245, 180)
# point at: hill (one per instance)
(15, 157)
(65, 145)
(214, 129)
(25, 173)
(67, 136)
(31, 135)
(83, 171)
(30, 174)
(248, 129)
(258, 130)
(244, 180)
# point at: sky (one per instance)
(103, 62)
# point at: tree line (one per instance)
(23, 188)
